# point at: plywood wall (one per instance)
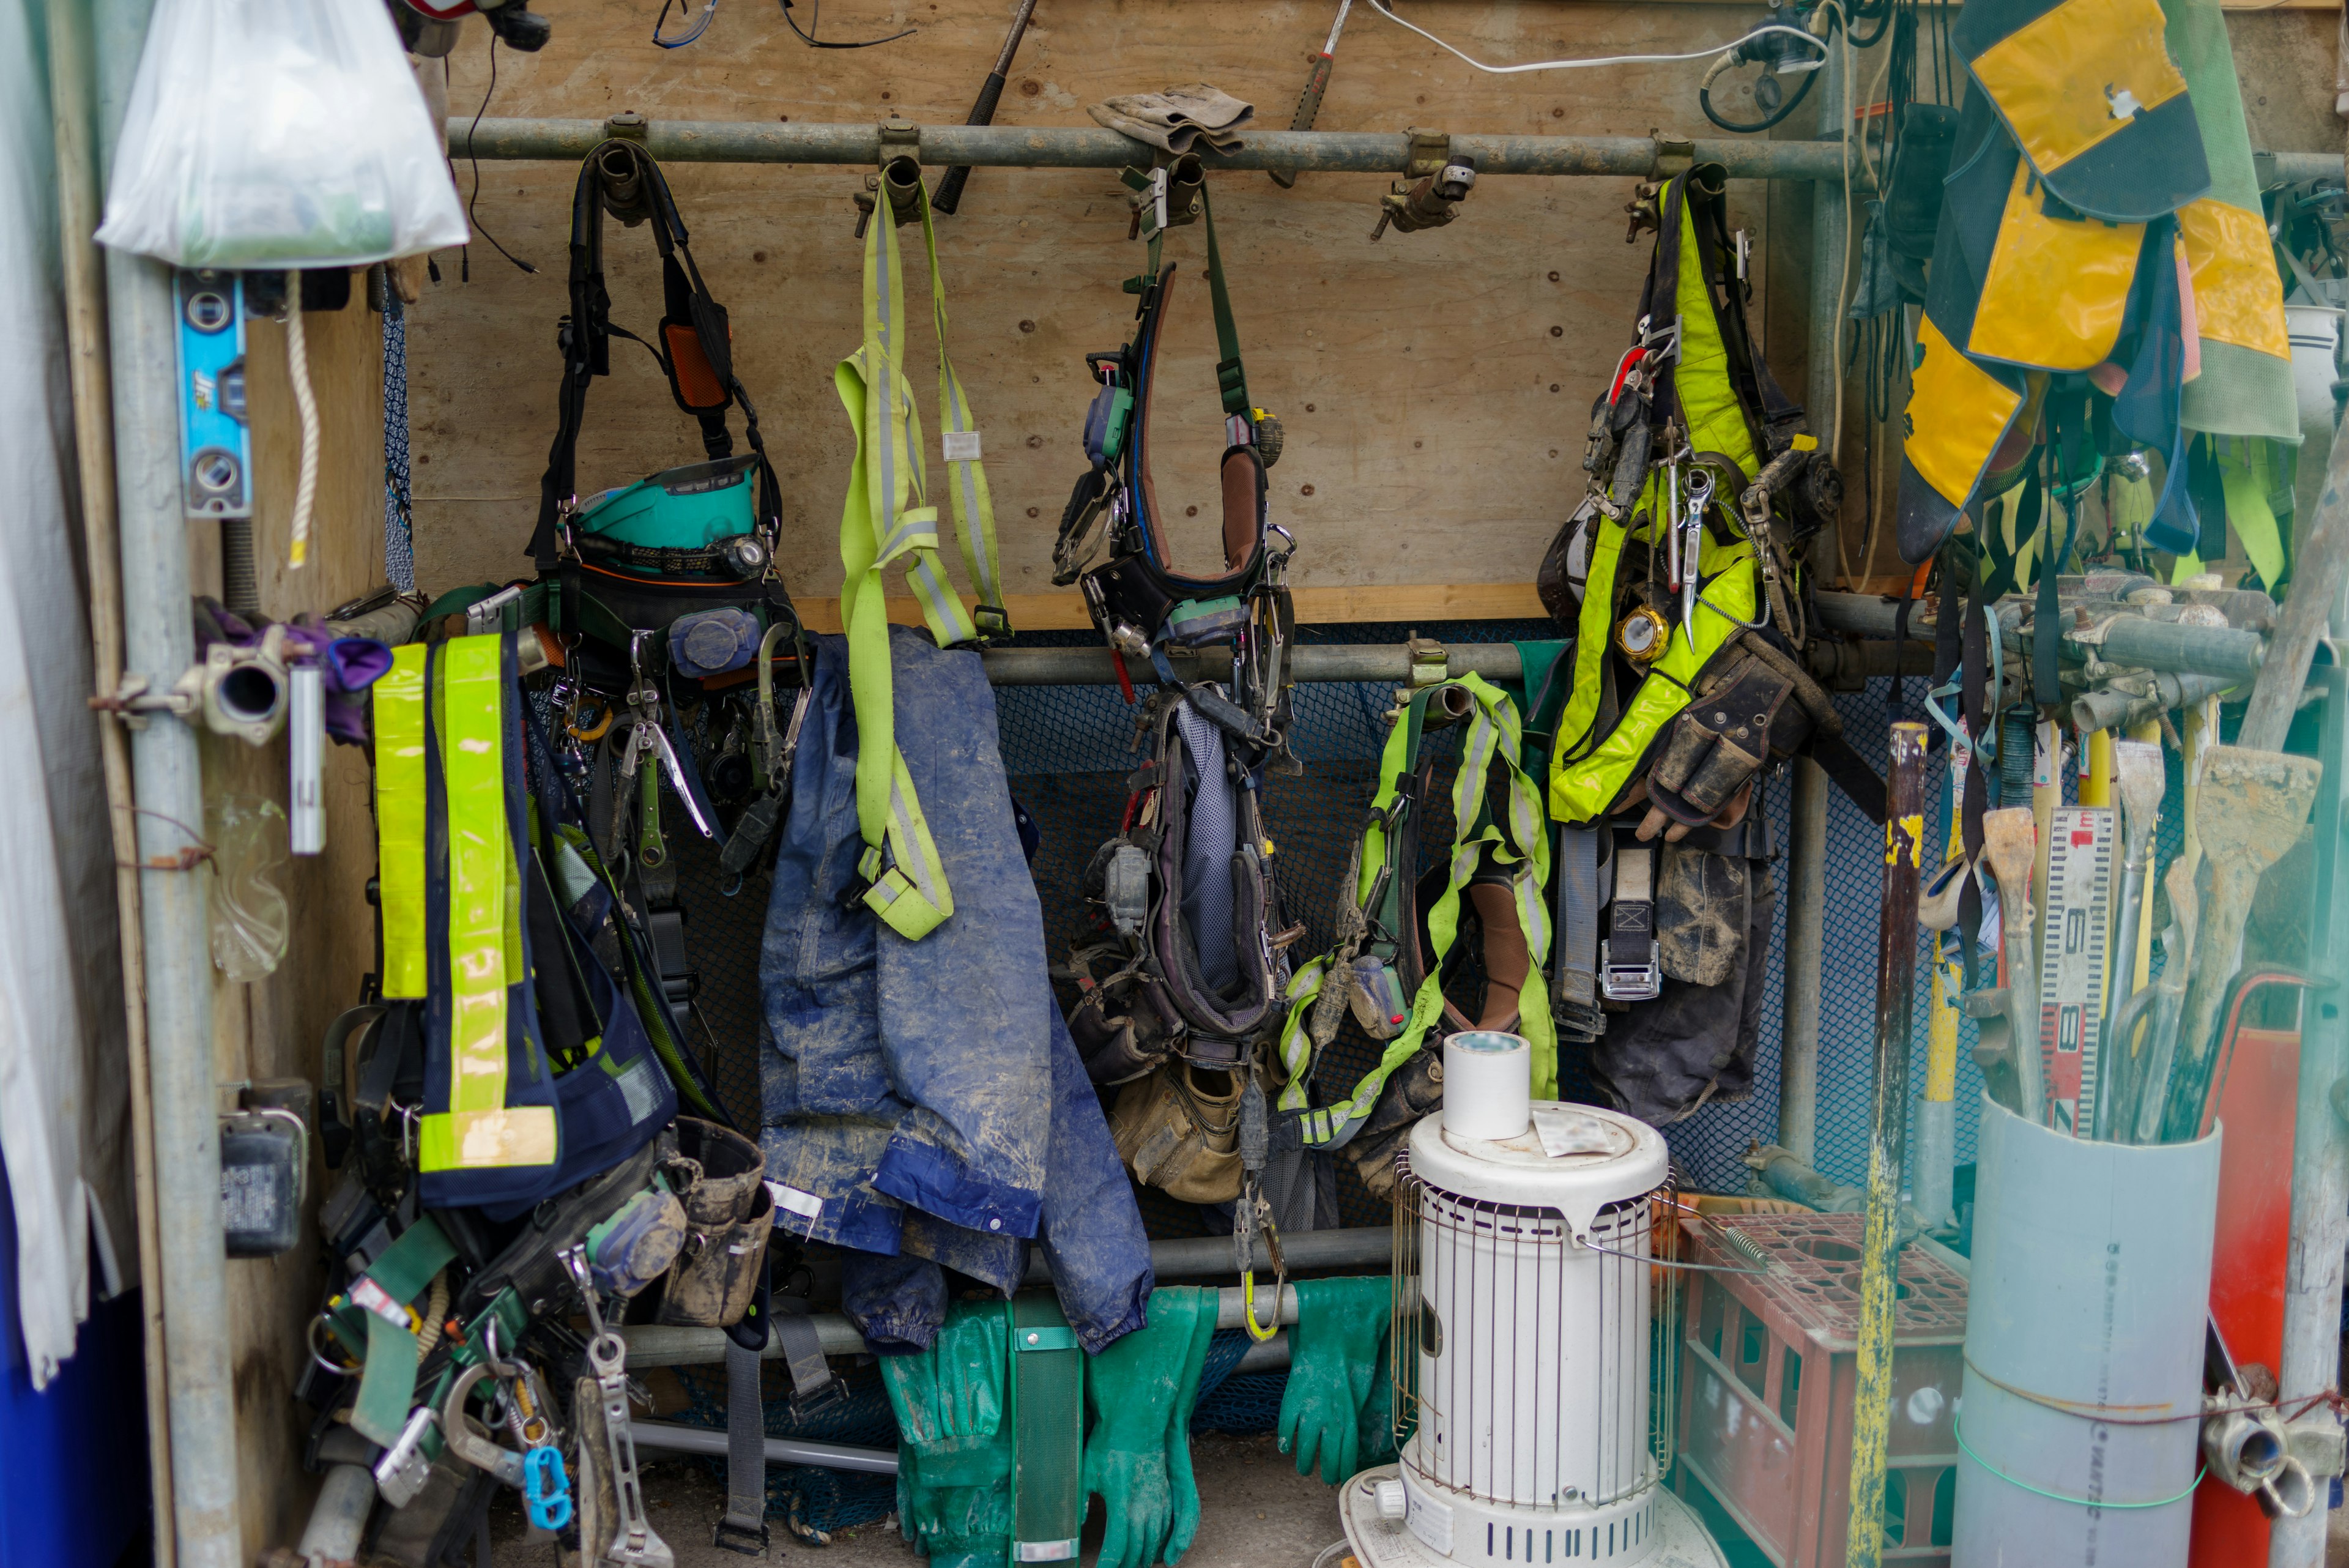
(273, 1027)
(1435, 386)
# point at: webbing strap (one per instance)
(1520, 845)
(484, 922)
(399, 804)
(1578, 917)
(886, 517)
(744, 1525)
(1231, 377)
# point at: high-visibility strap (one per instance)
(1520, 842)
(399, 806)
(484, 931)
(887, 515)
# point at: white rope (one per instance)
(1381, 6)
(297, 367)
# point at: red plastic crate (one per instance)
(1769, 1366)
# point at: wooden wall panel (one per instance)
(1435, 386)
(272, 1028)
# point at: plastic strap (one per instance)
(1631, 920)
(400, 810)
(477, 1130)
(1046, 1381)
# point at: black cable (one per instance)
(1705, 102)
(465, 263)
(815, 21)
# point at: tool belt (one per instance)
(1156, 981)
(1681, 581)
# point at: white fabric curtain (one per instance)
(64, 1094)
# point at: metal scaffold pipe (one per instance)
(1087, 147)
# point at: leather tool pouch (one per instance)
(1178, 1130)
(729, 1215)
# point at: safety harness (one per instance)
(1680, 578)
(1185, 969)
(888, 516)
(1399, 965)
(535, 1072)
(1190, 957)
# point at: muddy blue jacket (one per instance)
(913, 1106)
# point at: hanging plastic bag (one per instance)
(249, 919)
(278, 133)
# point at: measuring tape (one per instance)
(2071, 958)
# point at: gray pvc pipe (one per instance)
(1307, 662)
(2319, 1155)
(2091, 1282)
(1806, 877)
(331, 1539)
(2133, 641)
(159, 642)
(653, 1345)
(1198, 1257)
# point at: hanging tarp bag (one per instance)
(278, 133)
(640, 555)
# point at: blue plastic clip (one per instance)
(545, 1490)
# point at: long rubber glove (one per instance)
(954, 1477)
(1140, 1391)
(1334, 1362)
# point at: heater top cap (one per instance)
(1574, 1161)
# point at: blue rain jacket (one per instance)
(913, 1094)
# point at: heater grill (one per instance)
(1525, 1365)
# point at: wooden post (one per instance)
(1895, 985)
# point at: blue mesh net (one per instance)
(807, 1498)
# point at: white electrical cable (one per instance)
(1381, 6)
(297, 369)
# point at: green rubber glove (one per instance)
(1335, 1362)
(1140, 1391)
(954, 1476)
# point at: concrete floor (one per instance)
(1256, 1511)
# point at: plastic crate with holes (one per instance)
(1770, 1361)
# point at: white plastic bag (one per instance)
(277, 133)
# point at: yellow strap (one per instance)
(886, 517)
(399, 799)
(478, 1129)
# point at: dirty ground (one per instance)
(1254, 1512)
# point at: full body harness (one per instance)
(658, 587)
(1680, 578)
(1190, 961)
(1400, 965)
